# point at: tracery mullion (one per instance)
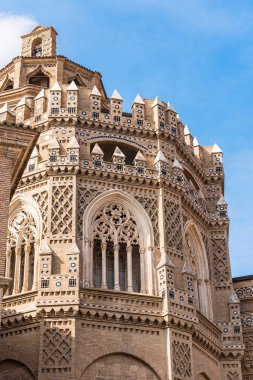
(122, 266)
(31, 267)
(22, 271)
(117, 232)
(16, 273)
(104, 271)
(129, 268)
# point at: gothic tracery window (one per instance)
(20, 258)
(116, 254)
(197, 259)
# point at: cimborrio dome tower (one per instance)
(117, 235)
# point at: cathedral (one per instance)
(114, 261)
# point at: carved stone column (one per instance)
(104, 279)
(26, 266)
(86, 279)
(8, 261)
(129, 269)
(8, 264)
(116, 268)
(90, 263)
(149, 261)
(36, 264)
(17, 270)
(142, 269)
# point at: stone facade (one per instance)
(117, 236)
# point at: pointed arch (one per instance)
(123, 363)
(39, 77)
(24, 235)
(202, 376)
(11, 369)
(138, 238)
(79, 81)
(198, 257)
(8, 84)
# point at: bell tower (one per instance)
(41, 42)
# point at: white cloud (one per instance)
(11, 28)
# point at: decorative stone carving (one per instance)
(181, 354)
(56, 348)
(42, 200)
(173, 224)
(62, 207)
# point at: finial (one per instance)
(116, 95)
(177, 165)
(97, 150)
(156, 102)
(216, 149)
(72, 87)
(118, 153)
(186, 130)
(195, 142)
(138, 100)
(95, 92)
(160, 157)
(56, 87)
(41, 94)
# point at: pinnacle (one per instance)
(41, 94)
(72, 87)
(139, 156)
(73, 143)
(118, 153)
(56, 87)
(160, 157)
(187, 268)
(97, 150)
(138, 99)
(95, 91)
(54, 144)
(186, 130)
(221, 201)
(35, 152)
(116, 95)
(45, 247)
(170, 107)
(195, 142)
(74, 250)
(156, 102)
(23, 102)
(6, 108)
(233, 298)
(177, 165)
(216, 149)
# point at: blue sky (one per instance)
(197, 54)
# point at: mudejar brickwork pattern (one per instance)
(117, 242)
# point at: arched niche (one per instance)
(77, 79)
(39, 77)
(108, 148)
(12, 370)
(119, 366)
(197, 256)
(37, 47)
(24, 235)
(134, 229)
(202, 376)
(8, 84)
